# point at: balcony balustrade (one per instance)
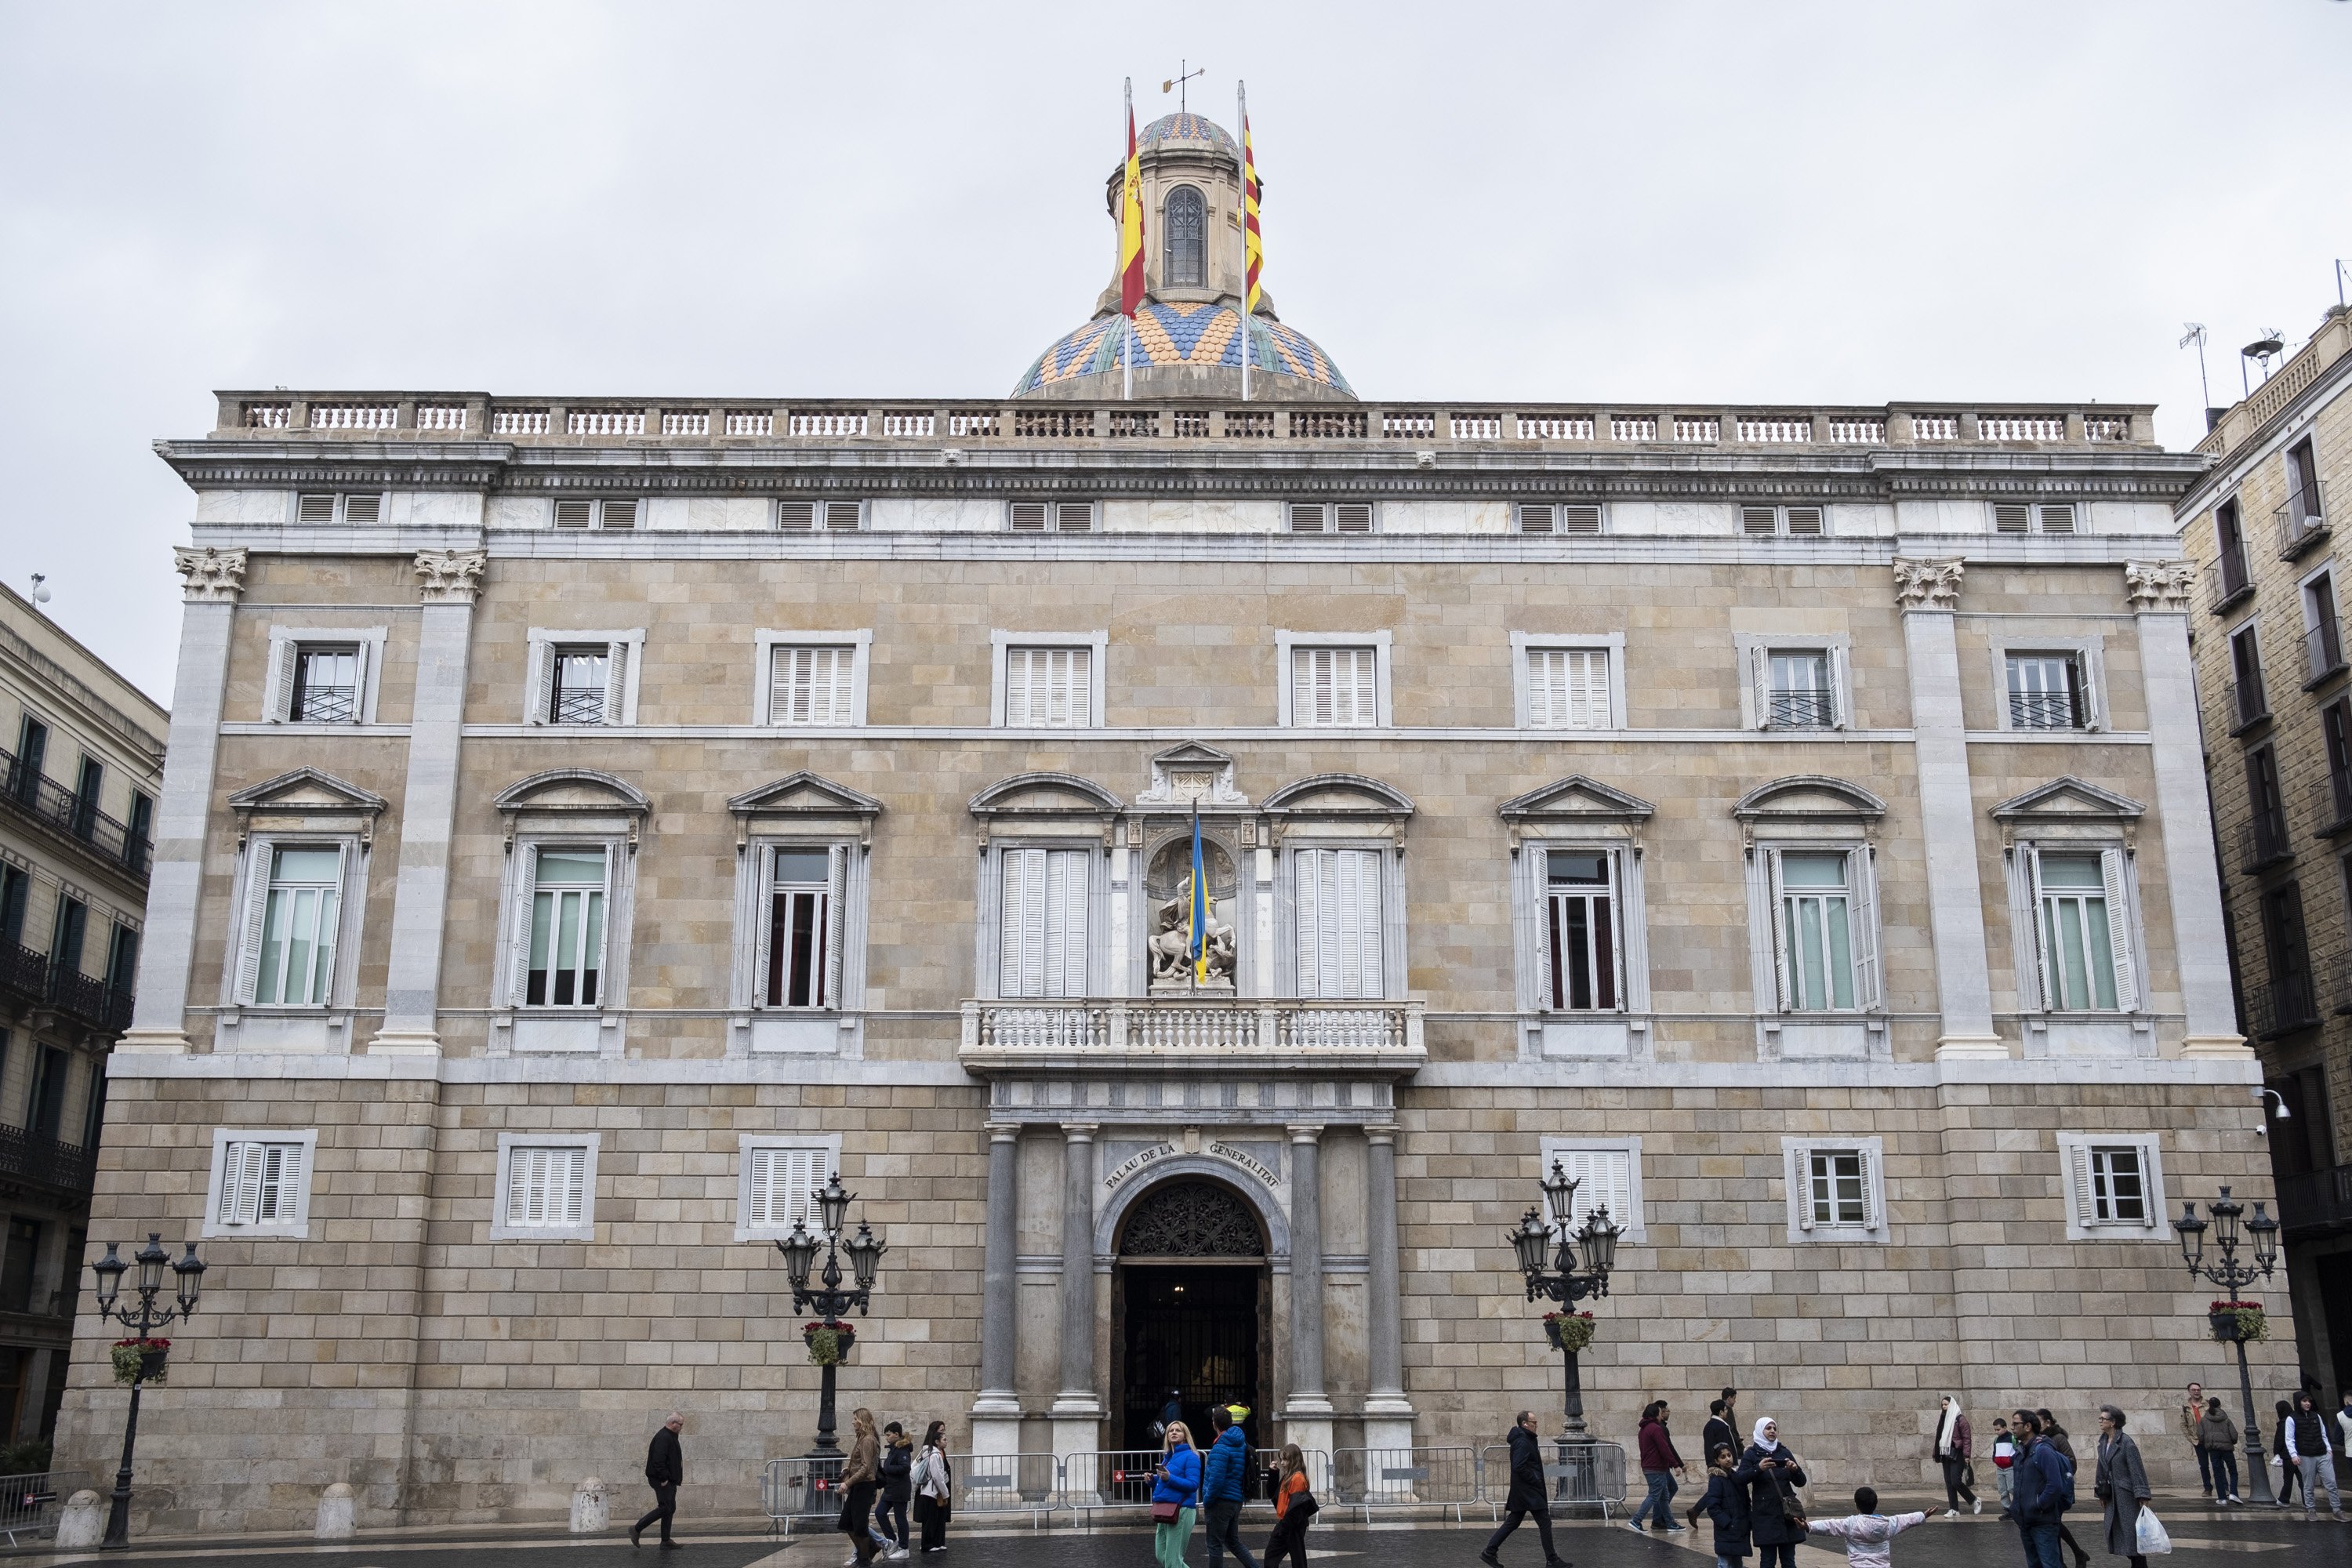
(2323, 649)
(2229, 580)
(2331, 804)
(1192, 1031)
(31, 978)
(61, 811)
(2263, 841)
(1802, 711)
(2301, 519)
(2315, 1203)
(29, 1156)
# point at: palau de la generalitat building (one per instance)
(590, 821)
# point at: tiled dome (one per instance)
(1187, 126)
(1167, 333)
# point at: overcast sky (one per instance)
(1754, 203)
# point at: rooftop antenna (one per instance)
(2196, 334)
(1177, 83)
(2263, 350)
(40, 589)
(2342, 267)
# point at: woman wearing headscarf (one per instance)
(1955, 1446)
(858, 1475)
(2122, 1486)
(1776, 1515)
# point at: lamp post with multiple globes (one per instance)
(829, 1296)
(144, 1320)
(2232, 1277)
(1548, 1259)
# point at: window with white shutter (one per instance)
(779, 1179)
(295, 902)
(1836, 1189)
(813, 686)
(2114, 1185)
(1814, 923)
(1048, 688)
(1042, 924)
(565, 948)
(2082, 929)
(546, 1187)
(1558, 516)
(1568, 689)
(1606, 1173)
(1051, 517)
(260, 1183)
(1334, 686)
(1338, 908)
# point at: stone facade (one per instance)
(2277, 706)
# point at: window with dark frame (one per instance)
(2118, 1184)
(2045, 691)
(800, 929)
(326, 684)
(2246, 672)
(1581, 926)
(18, 1264)
(15, 893)
(567, 927)
(2324, 639)
(2335, 728)
(1835, 1183)
(2229, 548)
(1186, 246)
(44, 1107)
(2264, 806)
(1800, 690)
(581, 673)
(2302, 493)
(2289, 955)
(89, 780)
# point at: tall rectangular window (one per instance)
(814, 686)
(2083, 935)
(2289, 955)
(2323, 636)
(1802, 695)
(547, 1186)
(1837, 1187)
(1581, 931)
(2265, 806)
(32, 754)
(1334, 686)
(17, 1265)
(88, 781)
(582, 677)
(326, 685)
(2230, 549)
(122, 959)
(72, 930)
(2302, 497)
(15, 893)
(45, 1106)
(1048, 688)
(567, 927)
(296, 958)
(1816, 913)
(2045, 691)
(1339, 913)
(1568, 689)
(2248, 700)
(803, 928)
(2335, 731)
(1041, 936)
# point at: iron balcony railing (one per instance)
(2323, 648)
(2316, 1202)
(579, 705)
(60, 810)
(327, 705)
(2231, 581)
(2331, 804)
(29, 1156)
(2263, 841)
(31, 977)
(2044, 710)
(2281, 1007)
(2302, 518)
(1802, 711)
(2248, 703)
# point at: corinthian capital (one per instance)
(449, 577)
(210, 576)
(2159, 584)
(1927, 584)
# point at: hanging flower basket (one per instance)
(1570, 1332)
(2238, 1322)
(828, 1345)
(140, 1361)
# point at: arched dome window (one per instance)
(1187, 264)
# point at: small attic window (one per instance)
(1186, 262)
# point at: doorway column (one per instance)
(1388, 1413)
(1307, 1413)
(1078, 1410)
(996, 1414)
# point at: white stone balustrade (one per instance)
(1180, 1029)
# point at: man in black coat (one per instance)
(1719, 1432)
(665, 1468)
(1527, 1495)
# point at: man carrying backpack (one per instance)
(2045, 1491)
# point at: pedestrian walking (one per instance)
(1660, 1463)
(860, 1474)
(1956, 1447)
(1293, 1509)
(2283, 1456)
(2045, 1487)
(1224, 1473)
(897, 1489)
(1175, 1497)
(1776, 1515)
(1725, 1505)
(934, 1488)
(2004, 1463)
(1869, 1536)
(1718, 1433)
(2192, 1416)
(2344, 1429)
(665, 1472)
(2314, 1456)
(2065, 1447)
(2217, 1444)
(2121, 1486)
(1526, 1499)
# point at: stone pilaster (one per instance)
(1388, 1413)
(1077, 1409)
(211, 581)
(449, 582)
(2159, 601)
(996, 1414)
(1927, 592)
(1307, 1413)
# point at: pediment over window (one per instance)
(307, 790)
(1184, 774)
(1045, 797)
(803, 797)
(573, 795)
(1809, 798)
(2068, 800)
(1574, 801)
(1338, 801)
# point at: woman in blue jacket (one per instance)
(1177, 1480)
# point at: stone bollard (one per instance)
(337, 1518)
(83, 1523)
(592, 1512)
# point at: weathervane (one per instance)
(1176, 84)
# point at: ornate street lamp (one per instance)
(2232, 1277)
(828, 1295)
(148, 1317)
(1546, 1253)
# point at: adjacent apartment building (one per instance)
(2273, 686)
(591, 820)
(76, 814)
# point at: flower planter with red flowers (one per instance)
(2238, 1322)
(1570, 1332)
(140, 1361)
(828, 1344)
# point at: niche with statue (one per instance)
(1169, 886)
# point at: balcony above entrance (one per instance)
(1188, 1034)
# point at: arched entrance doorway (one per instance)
(1191, 1310)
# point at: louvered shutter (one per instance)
(2012, 517)
(240, 1189)
(1311, 900)
(1804, 522)
(1074, 515)
(281, 1173)
(1803, 1177)
(574, 1164)
(2119, 928)
(781, 1182)
(1777, 899)
(1862, 874)
(1587, 690)
(1065, 948)
(763, 923)
(2145, 1154)
(1311, 686)
(1021, 925)
(2039, 918)
(619, 514)
(2082, 1192)
(1306, 517)
(519, 939)
(1547, 687)
(1604, 1178)
(1352, 517)
(2058, 518)
(260, 857)
(363, 508)
(1363, 911)
(1873, 1215)
(1579, 519)
(362, 710)
(841, 516)
(1366, 665)
(837, 901)
(542, 709)
(1759, 685)
(315, 509)
(616, 682)
(526, 1185)
(573, 513)
(797, 516)
(1339, 903)
(1535, 517)
(279, 706)
(1757, 521)
(1028, 517)
(1840, 688)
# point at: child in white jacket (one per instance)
(1869, 1536)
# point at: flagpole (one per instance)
(1127, 325)
(1240, 108)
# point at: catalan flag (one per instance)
(1252, 244)
(1130, 226)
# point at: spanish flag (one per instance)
(1252, 244)
(1130, 226)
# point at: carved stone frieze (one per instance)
(2159, 584)
(449, 577)
(1932, 586)
(210, 576)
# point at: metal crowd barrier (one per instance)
(1115, 1479)
(1008, 1483)
(1318, 1474)
(1576, 1475)
(29, 1504)
(794, 1491)
(1369, 1479)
